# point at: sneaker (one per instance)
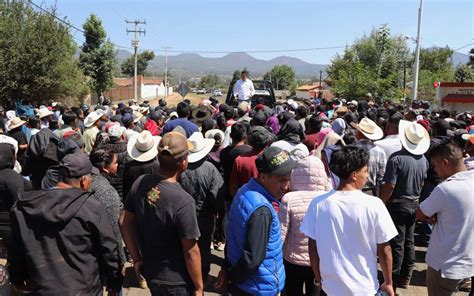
(212, 246)
(221, 246)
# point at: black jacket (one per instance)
(63, 244)
(120, 148)
(10, 183)
(45, 150)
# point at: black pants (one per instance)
(298, 276)
(219, 233)
(165, 290)
(206, 227)
(403, 245)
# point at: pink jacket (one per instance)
(308, 181)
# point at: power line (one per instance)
(190, 51)
(72, 26)
(250, 51)
(208, 51)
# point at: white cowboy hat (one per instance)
(368, 128)
(292, 103)
(414, 137)
(200, 147)
(143, 146)
(15, 122)
(144, 109)
(92, 118)
(211, 134)
(43, 112)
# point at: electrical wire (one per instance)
(208, 51)
(190, 51)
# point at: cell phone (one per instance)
(381, 293)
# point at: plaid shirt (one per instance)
(377, 163)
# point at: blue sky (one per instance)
(228, 25)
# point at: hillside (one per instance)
(195, 64)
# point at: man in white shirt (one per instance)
(391, 143)
(348, 229)
(450, 255)
(243, 88)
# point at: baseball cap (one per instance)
(174, 144)
(127, 118)
(275, 161)
(116, 131)
(258, 136)
(76, 165)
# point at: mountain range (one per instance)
(195, 64)
(192, 64)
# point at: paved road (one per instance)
(417, 287)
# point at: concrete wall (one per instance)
(302, 94)
(153, 91)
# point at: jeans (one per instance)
(403, 245)
(165, 290)
(296, 277)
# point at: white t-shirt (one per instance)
(244, 89)
(451, 248)
(390, 144)
(347, 226)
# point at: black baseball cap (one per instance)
(275, 161)
(259, 137)
(76, 165)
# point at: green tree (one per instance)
(36, 56)
(463, 73)
(281, 76)
(435, 65)
(374, 63)
(97, 58)
(236, 75)
(128, 66)
(210, 81)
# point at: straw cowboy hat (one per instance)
(44, 112)
(368, 128)
(92, 118)
(143, 147)
(15, 122)
(137, 116)
(414, 137)
(200, 147)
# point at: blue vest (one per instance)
(269, 279)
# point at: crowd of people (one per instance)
(303, 198)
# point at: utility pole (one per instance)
(136, 43)
(417, 52)
(320, 77)
(166, 48)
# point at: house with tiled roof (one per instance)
(314, 90)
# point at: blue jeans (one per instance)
(403, 245)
